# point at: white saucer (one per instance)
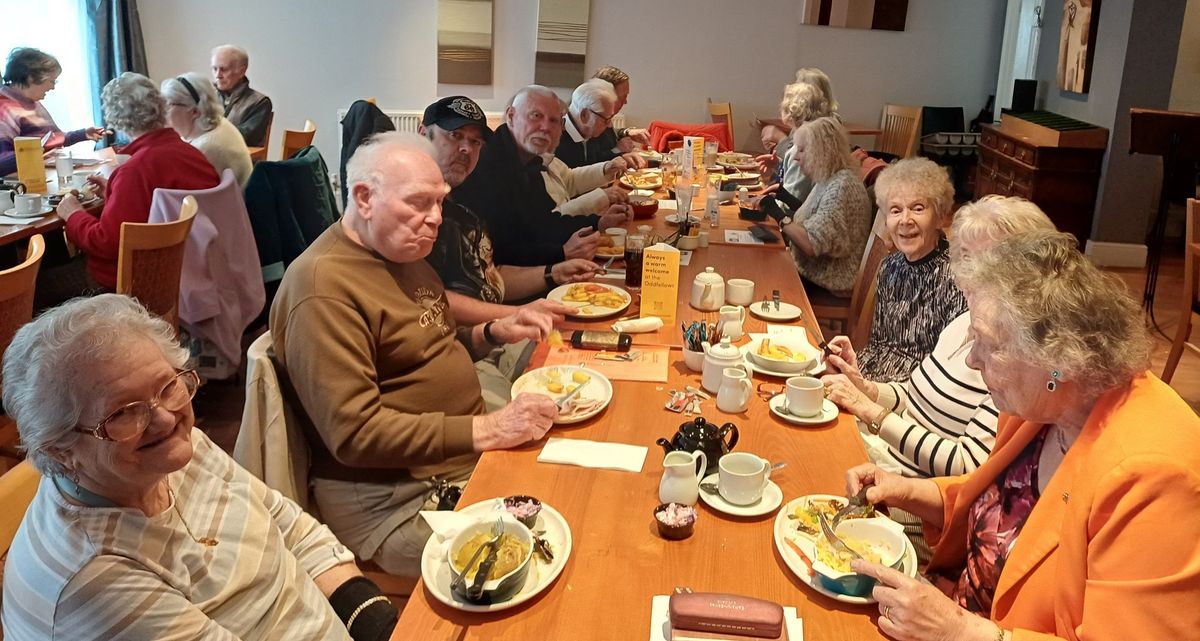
(771, 499)
(786, 311)
(817, 368)
(829, 412)
(13, 212)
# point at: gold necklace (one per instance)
(203, 540)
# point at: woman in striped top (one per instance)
(141, 528)
(915, 297)
(941, 421)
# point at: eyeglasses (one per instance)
(606, 119)
(129, 421)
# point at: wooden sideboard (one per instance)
(1060, 178)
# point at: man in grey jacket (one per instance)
(249, 110)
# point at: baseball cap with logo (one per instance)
(454, 112)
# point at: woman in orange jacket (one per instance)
(1082, 524)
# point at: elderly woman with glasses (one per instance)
(158, 158)
(1082, 523)
(141, 527)
(196, 114)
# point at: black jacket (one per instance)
(510, 196)
(361, 120)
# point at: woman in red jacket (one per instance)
(1082, 523)
(158, 158)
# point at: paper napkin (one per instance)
(638, 325)
(584, 453)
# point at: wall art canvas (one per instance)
(1076, 46)
(464, 45)
(887, 15)
(562, 37)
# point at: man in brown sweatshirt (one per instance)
(385, 377)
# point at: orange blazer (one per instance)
(1111, 550)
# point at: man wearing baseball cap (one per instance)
(476, 288)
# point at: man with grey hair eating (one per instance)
(249, 110)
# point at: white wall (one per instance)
(313, 57)
(1185, 91)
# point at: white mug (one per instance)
(805, 395)
(734, 394)
(27, 204)
(739, 291)
(743, 477)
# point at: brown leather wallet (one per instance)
(726, 614)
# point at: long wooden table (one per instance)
(619, 561)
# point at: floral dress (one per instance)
(995, 522)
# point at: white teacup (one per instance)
(27, 204)
(739, 291)
(617, 234)
(743, 477)
(805, 395)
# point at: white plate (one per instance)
(786, 311)
(436, 573)
(817, 369)
(641, 193)
(908, 565)
(829, 412)
(587, 310)
(674, 219)
(772, 497)
(13, 212)
(598, 388)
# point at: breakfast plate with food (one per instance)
(608, 248)
(591, 300)
(643, 179)
(809, 556)
(782, 355)
(540, 552)
(581, 392)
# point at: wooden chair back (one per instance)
(862, 298)
(16, 308)
(722, 112)
(150, 262)
(294, 141)
(1189, 300)
(17, 488)
(901, 127)
(260, 153)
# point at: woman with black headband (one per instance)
(195, 113)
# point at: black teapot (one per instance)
(706, 437)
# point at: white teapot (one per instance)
(708, 291)
(716, 359)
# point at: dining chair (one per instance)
(854, 315)
(16, 308)
(150, 262)
(901, 131)
(260, 153)
(722, 112)
(294, 141)
(1189, 302)
(17, 488)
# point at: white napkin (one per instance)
(12, 220)
(584, 453)
(668, 203)
(660, 620)
(739, 237)
(446, 524)
(638, 325)
(784, 330)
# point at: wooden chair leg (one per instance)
(1181, 336)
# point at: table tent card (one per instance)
(30, 167)
(660, 282)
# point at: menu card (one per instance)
(660, 282)
(693, 156)
(30, 169)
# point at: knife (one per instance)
(775, 298)
(569, 395)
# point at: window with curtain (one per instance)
(57, 27)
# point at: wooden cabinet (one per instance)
(1062, 180)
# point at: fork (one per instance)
(837, 543)
(856, 503)
(497, 532)
(608, 263)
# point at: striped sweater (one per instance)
(914, 301)
(84, 573)
(943, 421)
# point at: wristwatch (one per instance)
(548, 276)
(874, 426)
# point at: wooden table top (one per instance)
(619, 561)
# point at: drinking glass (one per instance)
(635, 244)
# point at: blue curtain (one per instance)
(115, 34)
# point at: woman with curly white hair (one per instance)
(141, 527)
(1082, 523)
(196, 114)
(157, 158)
